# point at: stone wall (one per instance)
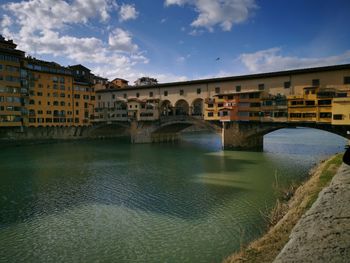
(8, 135)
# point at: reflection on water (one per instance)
(110, 201)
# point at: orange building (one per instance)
(50, 94)
(83, 95)
(12, 89)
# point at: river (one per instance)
(109, 201)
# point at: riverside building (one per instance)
(50, 94)
(13, 87)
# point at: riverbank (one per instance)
(270, 245)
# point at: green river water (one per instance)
(109, 201)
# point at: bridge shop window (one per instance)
(310, 103)
(316, 82)
(347, 80)
(326, 115)
(309, 115)
(165, 93)
(297, 102)
(325, 102)
(295, 115)
(199, 91)
(181, 92)
(261, 86)
(238, 88)
(217, 90)
(287, 84)
(338, 117)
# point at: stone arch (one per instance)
(166, 108)
(182, 107)
(197, 108)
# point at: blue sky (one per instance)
(181, 39)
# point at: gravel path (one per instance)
(323, 233)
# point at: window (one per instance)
(181, 92)
(325, 102)
(238, 88)
(165, 93)
(261, 86)
(210, 114)
(338, 117)
(220, 105)
(217, 90)
(326, 115)
(77, 104)
(151, 94)
(77, 112)
(210, 105)
(310, 103)
(125, 96)
(297, 102)
(347, 80)
(316, 82)
(199, 91)
(287, 84)
(295, 115)
(309, 115)
(137, 95)
(76, 96)
(113, 96)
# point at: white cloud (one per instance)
(224, 13)
(39, 28)
(6, 21)
(53, 14)
(180, 59)
(127, 12)
(272, 60)
(121, 40)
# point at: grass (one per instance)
(291, 204)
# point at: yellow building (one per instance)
(12, 90)
(341, 108)
(83, 96)
(50, 94)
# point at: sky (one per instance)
(177, 40)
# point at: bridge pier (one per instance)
(242, 136)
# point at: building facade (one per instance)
(303, 95)
(50, 94)
(13, 87)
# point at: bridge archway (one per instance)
(182, 108)
(166, 108)
(197, 107)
